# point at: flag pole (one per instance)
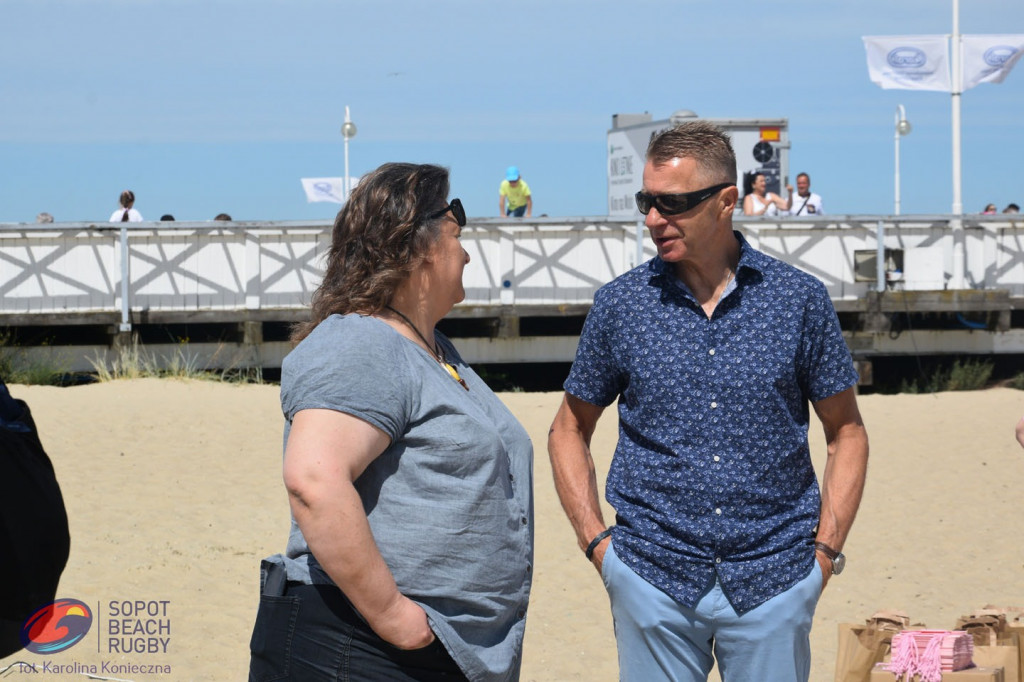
(958, 207)
(345, 135)
(348, 131)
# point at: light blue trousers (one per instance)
(660, 639)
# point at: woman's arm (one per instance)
(326, 452)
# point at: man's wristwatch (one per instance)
(837, 558)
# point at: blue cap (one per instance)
(512, 174)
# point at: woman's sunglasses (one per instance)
(674, 204)
(455, 206)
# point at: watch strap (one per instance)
(832, 554)
(596, 541)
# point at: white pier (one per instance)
(528, 285)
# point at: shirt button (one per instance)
(511, 477)
(529, 568)
(718, 559)
(714, 404)
(717, 458)
(711, 352)
(521, 614)
(524, 520)
(718, 511)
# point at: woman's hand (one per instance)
(404, 625)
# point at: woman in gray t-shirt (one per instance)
(411, 549)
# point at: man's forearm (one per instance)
(842, 484)
(576, 484)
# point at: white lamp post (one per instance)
(902, 128)
(348, 131)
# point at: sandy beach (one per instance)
(174, 494)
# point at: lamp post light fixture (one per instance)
(348, 131)
(903, 127)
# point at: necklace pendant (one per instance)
(455, 375)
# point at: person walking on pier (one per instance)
(516, 192)
(127, 212)
(713, 351)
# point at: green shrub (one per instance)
(970, 375)
(967, 375)
(17, 367)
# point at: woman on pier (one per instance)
(761, 202)
(127, 212)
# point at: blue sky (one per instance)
(204, 106)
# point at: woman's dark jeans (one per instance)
(311, 632)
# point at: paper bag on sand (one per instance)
(995, 643)
(1014, 616)
(881, 674)
(861, 646)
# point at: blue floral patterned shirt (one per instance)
(712, 475)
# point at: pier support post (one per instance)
(252, 341)
(508, 327)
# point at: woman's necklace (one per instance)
(436, 350)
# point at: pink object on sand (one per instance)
(929, 653)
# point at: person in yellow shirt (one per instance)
(517, 192)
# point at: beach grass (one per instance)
(16, 367)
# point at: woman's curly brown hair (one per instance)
(379, 237)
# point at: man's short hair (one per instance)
(803, 175)
(705, 143)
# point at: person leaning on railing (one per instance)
(127, 212)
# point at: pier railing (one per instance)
(65, 269)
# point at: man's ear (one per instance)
(728, 199)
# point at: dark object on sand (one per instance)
(34, 538)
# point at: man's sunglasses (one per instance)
(455, 206)
(674, 204)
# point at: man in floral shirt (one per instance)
(723, 541)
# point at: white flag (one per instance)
(324, 189)
(909, 62)
(988, 58)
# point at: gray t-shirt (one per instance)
(450, 502)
